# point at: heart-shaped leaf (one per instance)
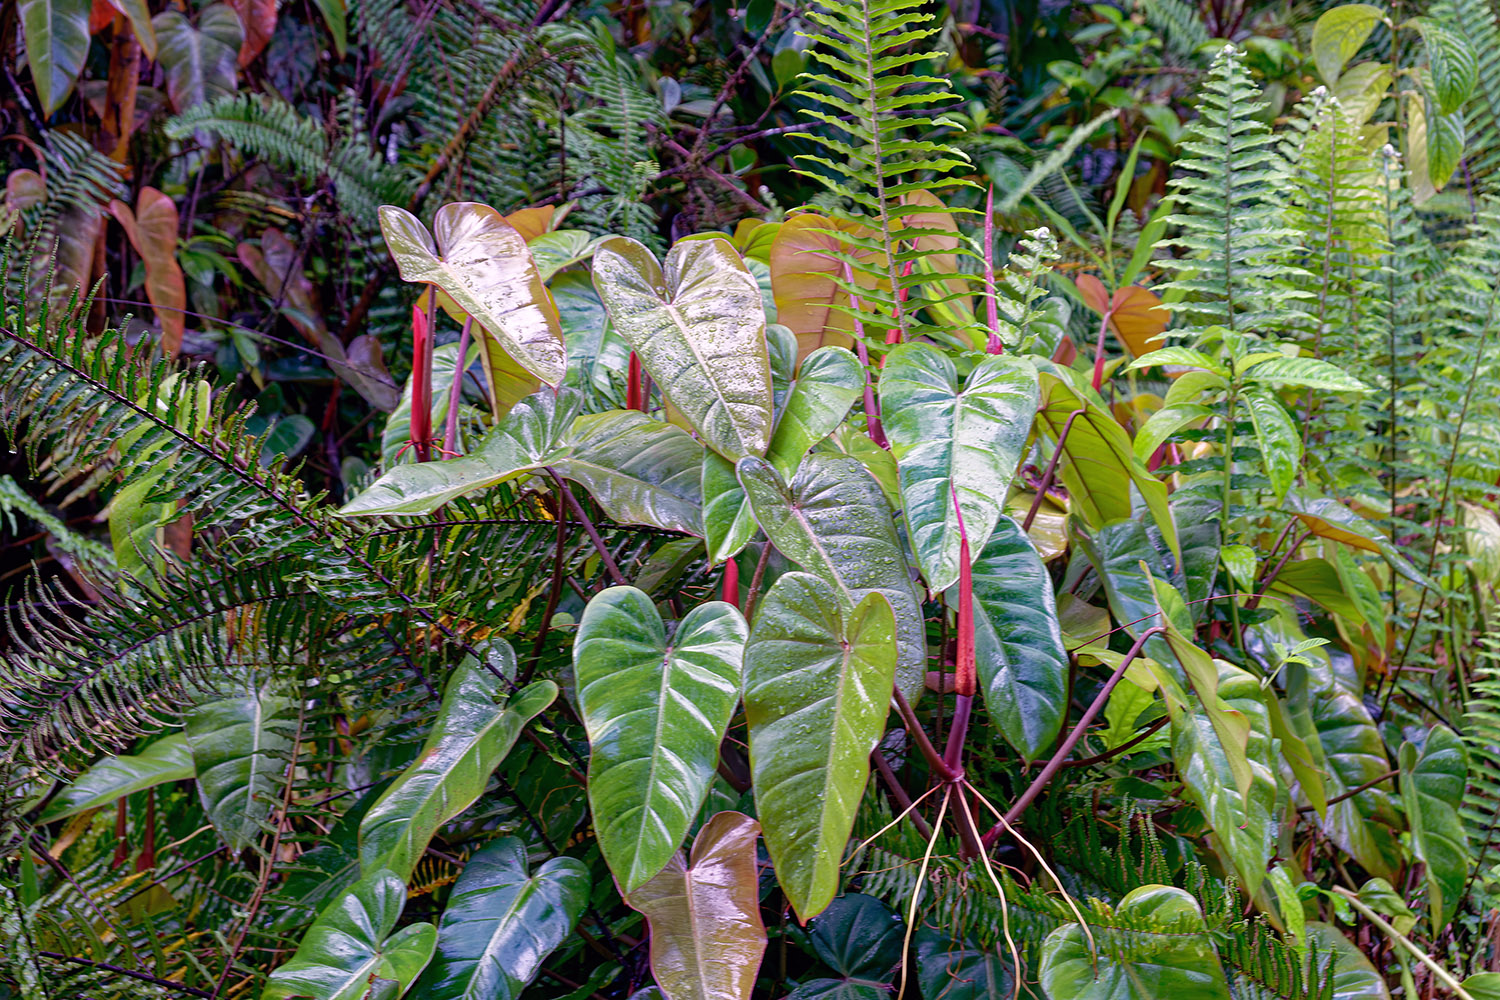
(501, 924)
(152, 230)
(350, 949)
(481, 262)
(1017, 642)
(1166, 953)
(698, 326)
(707, 938)
(818, 676)
(200, 60)
(656, 710)
(948, 440)
(827, 384)
(476, 726)
(164, 760)
(957, 970)
(834, 522)
(238, 749)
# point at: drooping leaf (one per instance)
(1018, 646)
(656, 710)
(827, 384)
(818, 676)
(476, 726)
(1433, 781)
(152, 231)
(1304, 373)
(1451, 60)
(697, 324)
(57, 43)
(1098, 465)
(1327, 518)
(501, 923)
(1338, 35)
(1241, 819)
(834, 522)
(200, 60)
(948, 439)
(259, 19)
(238, 751)
(532, 435)
(350, 949)
(163, 760)
(1279, 440)
(707, 937)
(479, 260)
(1173, 958)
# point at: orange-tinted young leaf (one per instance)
(944, 238)
(707, 938)
(152, 230)
(1138, 318)
(803, 268)
(532, 222)
(259, 19)
(137, 12)
(1094, 294)
(100, 16)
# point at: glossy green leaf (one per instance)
(641, 471)
(827, 384)
(200, 60)
(698, 327)
(1018, 645)
(861, 940)
(336, 18)
(707, 938)
(350, 949)
(833, 521)
(946, 439)
(1339, 34)
(1243, 821)
(1303, 373)
(239, 751)
(656, 710)
(476, 726)
(483, 264)
(1483, 986)
(728, 524)
(1169, 954)
(1098, 465)
(501, 923)
(1164, 423)
(1319, 581)
(1279, 440)
(818, 677)
(532, 435)
(1433, 781)
(163, 760)
(1445, 145)
(57, 43)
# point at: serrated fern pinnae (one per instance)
(885, 146)
(1234, 270)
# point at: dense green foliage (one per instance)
(468, 536)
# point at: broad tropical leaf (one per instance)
(200, 60)
(707, 937)
(1433, 781)
(238, 749)
(152, 230)
(1017, 642)
(860, 939)
(163, 760)
(501, 923)
(1171, 955)
(818, 676)
(57, 43)
(656, 710)
(834, 522)
(698, 325)
(641, 471)
(350, 949)
(946, 439)
(483, 264)
(827, 384)
(476, 726)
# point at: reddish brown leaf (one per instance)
(101, 16)
(532, 222)
(152, 230)
(803, 269)
(1094, 294)
(259, 19)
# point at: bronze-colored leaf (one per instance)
(152, 230)
(803, 273)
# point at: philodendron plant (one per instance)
(895, 507)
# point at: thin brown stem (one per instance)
(1046, 481)
(588, 526)
(899, 794)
